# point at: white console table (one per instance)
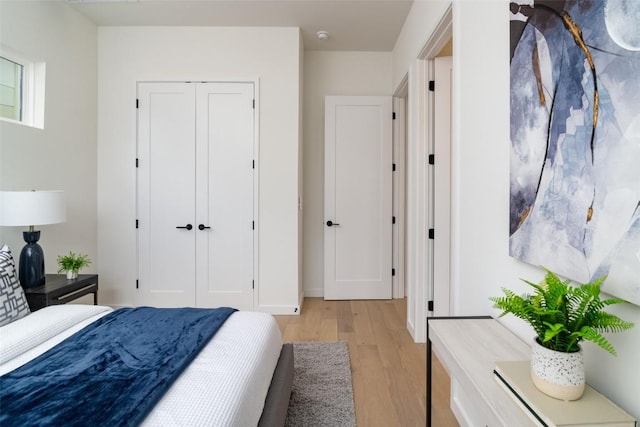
(468, 348)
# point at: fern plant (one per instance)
(72, 262)
(563, 315)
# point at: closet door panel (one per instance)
(166, 194)
(224, 201)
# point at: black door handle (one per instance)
(203, 227)
(188, 227)
(331, 223)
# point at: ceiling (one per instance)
(353, 25)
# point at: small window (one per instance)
(11, 77)
(21, 89)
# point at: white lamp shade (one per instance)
(24, 208)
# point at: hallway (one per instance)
(388, 368)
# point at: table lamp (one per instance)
(30, 208)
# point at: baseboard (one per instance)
(411, 329)
(314, 292)
(271, 309)
(293, 310)
(462, 408)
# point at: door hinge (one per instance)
(253, 164)
(431, 233)
(432, 159)
(136, 223)
(137, 163)
(393, 220)
(430, 305)
(137, 102)
(253, 284)
(393, 271)
(393, 167)
(254, 104)
(393, 116)
(137, 284)
(432, 85)
(253, 225)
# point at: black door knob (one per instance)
(203, 227)
(188, 226)
(331, 223)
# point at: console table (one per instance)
(468, 348)
(57, 289)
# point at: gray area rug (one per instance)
(322, 392)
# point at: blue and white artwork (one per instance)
(575, 140)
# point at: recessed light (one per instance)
(322, 35)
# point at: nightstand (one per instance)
(57, 289)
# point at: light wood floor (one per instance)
(388, 368)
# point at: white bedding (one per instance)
(224, 386)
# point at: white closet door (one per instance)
(224, 195)
(166, 194)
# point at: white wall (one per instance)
(420, 23)
(131, 54)
(62, 156)
(330, 73)
(481, 200)
(480, 169)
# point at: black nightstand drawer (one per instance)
(60, 290)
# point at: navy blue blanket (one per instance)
(110, 373)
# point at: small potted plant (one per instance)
(562, 316)
(72, 263)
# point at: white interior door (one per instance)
(358, 197)
(166, 194)
(442, 186)
(224, 157)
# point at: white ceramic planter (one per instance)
(72, 274)
(557, 374)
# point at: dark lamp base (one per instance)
(31, 267)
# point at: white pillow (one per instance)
(13, 303)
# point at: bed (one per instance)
(241, 377)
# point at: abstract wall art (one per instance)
(575, 140)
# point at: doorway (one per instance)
(421, 209)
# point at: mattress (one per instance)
(225, 385)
